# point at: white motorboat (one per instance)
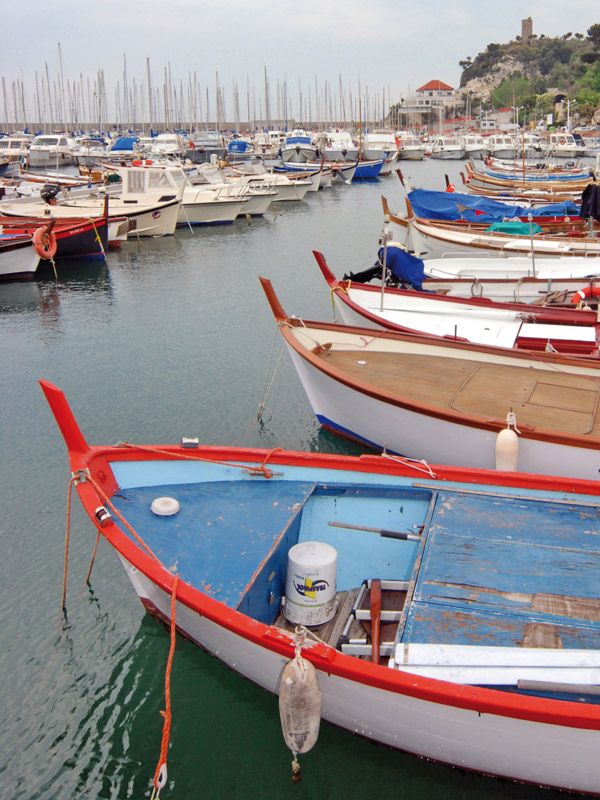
(52, 150)
(446, 147)
(145, 196)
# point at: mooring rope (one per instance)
(160, 775)
(266, 391)
(67, 538)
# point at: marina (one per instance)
(170, 338)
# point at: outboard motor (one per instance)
(49, 192)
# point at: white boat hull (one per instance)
(491, 743)
(435, 242)
(412, 433)
(18, 262)
(447, 155)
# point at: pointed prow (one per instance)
(276, 306)
(74, 439)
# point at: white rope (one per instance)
(418, 464)
(262, 406)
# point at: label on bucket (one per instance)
(311, 583)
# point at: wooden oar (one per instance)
(375, 618)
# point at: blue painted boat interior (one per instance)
(490, 569)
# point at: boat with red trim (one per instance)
(448, 612)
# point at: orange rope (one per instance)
(135, 535)
(89, 572)
(67, 537)
(147, 448)
(160, 775)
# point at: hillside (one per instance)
(530, 73)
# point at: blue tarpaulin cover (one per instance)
(453, 205)
(124, 143)
(405, 267)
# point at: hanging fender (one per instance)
(44, 242)
(582, 294)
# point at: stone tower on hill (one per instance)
(526, 28)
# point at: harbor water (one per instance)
(169, 338)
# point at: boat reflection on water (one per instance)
(75, 276)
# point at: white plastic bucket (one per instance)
(310, 587)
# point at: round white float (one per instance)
(164, 506)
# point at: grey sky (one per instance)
(393, 46)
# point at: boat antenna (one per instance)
(384, 239)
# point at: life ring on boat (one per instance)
(451, 187)
(582, 294)
(44, 243)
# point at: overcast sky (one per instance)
(391, 46)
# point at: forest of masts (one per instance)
(86, 105)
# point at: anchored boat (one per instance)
(448, 612)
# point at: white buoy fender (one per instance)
(299, 705)
(507, 451)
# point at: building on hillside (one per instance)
(434, 96)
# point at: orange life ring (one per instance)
(451, 187)
(44, 243)
(582, 294)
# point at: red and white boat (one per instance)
(455, 611)
(515, 325)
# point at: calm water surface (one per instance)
(171, 338)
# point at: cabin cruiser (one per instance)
(501, 145)
(145, 196)
(564, 145)
(168, 145)
(299, 147)
(446, 147)
(410, 148)
(51, 150)
(339, 146)
(379, 144)
(203, 145)
(15, 146)
(474, 145)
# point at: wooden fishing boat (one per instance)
(554, 181)
(446, 400)
(474, 319)
(74, 239)
(435, 239)
(406, 591)
(18, 258)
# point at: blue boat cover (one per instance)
(453, 205)
(408, 269)
(124, 143)
(237, 146)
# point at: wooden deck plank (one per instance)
(504, 571)
(553, 400)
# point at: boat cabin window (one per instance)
(135, 180)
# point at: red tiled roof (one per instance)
(435, 85)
